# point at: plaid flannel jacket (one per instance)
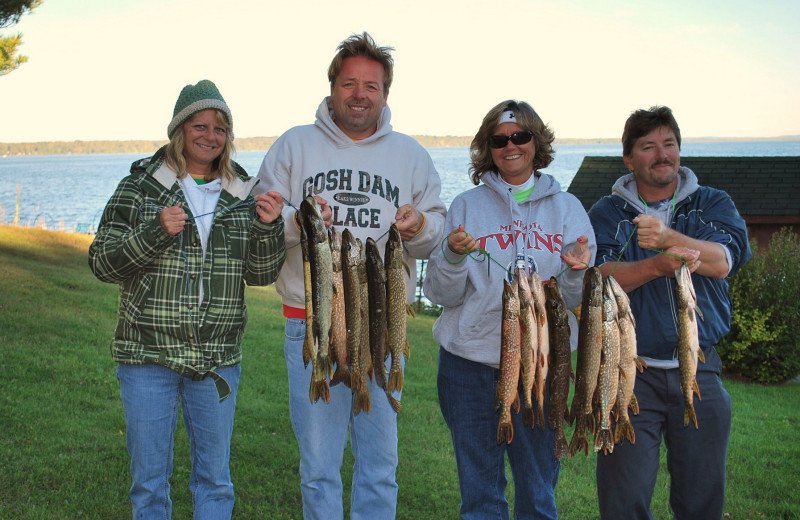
(159, 318)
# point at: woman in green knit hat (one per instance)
(181, 235)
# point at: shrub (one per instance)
(764, 342)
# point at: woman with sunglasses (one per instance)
(515, 217)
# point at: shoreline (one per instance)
(249, 144)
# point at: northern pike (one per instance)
(321, 266)
(506, 393)
(351, 258)
(338, 313)
(608, 379)
(364, 355)
(560, 364)
(629, 362)
(378, 325)
(590, 345)
(528, 348)
(397, 305)
(689, 351)
(542, 344)
(308, 340)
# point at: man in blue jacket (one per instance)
(670, 219)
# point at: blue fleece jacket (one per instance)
(701, 212)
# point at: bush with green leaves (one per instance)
(764, 342)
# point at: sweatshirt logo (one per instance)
(354, 191)
(529, 238)
(351, 199)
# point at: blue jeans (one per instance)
(150, 396)
(695, 457)
(466, 398)
(321, 430)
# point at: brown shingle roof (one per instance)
(759, 186)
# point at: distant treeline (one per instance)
(263, 143)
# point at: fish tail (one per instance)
(624, 430)
(604, 441)
(319, 390)
(579, 442)
(505, 432)
(395, 380)
(527, 416)
(361, 402)
(395, 404)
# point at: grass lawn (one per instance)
(62, 438)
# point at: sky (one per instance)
(112, 69)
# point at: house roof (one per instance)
(759, 186)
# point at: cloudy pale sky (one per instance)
(112, 69)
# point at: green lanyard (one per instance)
(674, 193)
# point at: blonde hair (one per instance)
(222, 167)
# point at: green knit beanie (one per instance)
(195, 98)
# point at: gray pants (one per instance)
(695, 457)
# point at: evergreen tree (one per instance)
(10, 13)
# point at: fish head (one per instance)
(351, 249)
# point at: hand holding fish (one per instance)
(269, 206)
(324, 211)
(580, 256)
(409, 221)
(460, 242)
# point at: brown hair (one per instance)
(642, 122)
(363, 45)
(528, 119)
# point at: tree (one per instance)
(10, 13)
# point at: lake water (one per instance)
(69, 192)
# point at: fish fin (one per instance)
(699, 313)
(516, 403)
(634, 405)
(540, 416)
(307, 353)
(689, 415)
(701, 356)
(641, 364)
(407, 350)
(696, 389)
(341, 375)
(410, 311)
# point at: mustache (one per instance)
(663, 162)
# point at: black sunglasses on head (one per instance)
(518, 138)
